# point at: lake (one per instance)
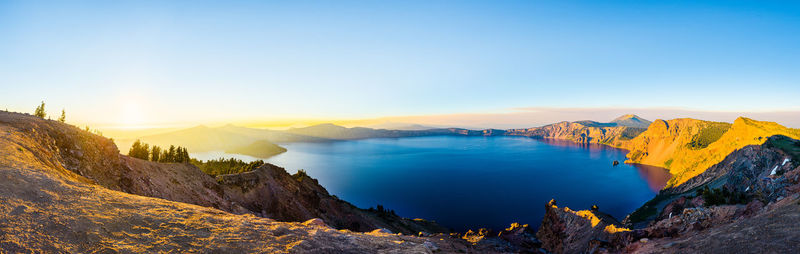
(472, 182)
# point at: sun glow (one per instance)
(131, 116)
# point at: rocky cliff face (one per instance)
(687, 147)
(616, 136)
(180, 182)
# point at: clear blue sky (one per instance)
(154, 62)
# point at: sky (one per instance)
(159, 64)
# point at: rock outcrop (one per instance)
(566, 231)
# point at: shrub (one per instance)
(40, 111)
(721, 196)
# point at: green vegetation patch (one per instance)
(143, 151)
(786, 144)
(223, 166)
(722, 196)
(631, 132)
(668, 163)
(710, 134)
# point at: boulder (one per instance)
(315, 222)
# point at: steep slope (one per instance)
(743, 173)
(181, 182)
(687, 146)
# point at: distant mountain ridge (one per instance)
(230, 137)
(400, 126)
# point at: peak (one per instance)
(327, 125)
(743, 119)
(628, 116)
(631, 120)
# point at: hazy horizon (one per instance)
(521, 118)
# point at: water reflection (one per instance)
(656, 177)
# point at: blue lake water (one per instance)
(473, 182)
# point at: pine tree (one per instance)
(186, 155)
(171, 154)
(40, 111)
(144, 154)
(155, 154)
(139, 150)
(134, 148)
(178, 154)
(63, 117)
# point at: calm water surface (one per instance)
(472, 182)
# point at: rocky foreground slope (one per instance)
(67, 190)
